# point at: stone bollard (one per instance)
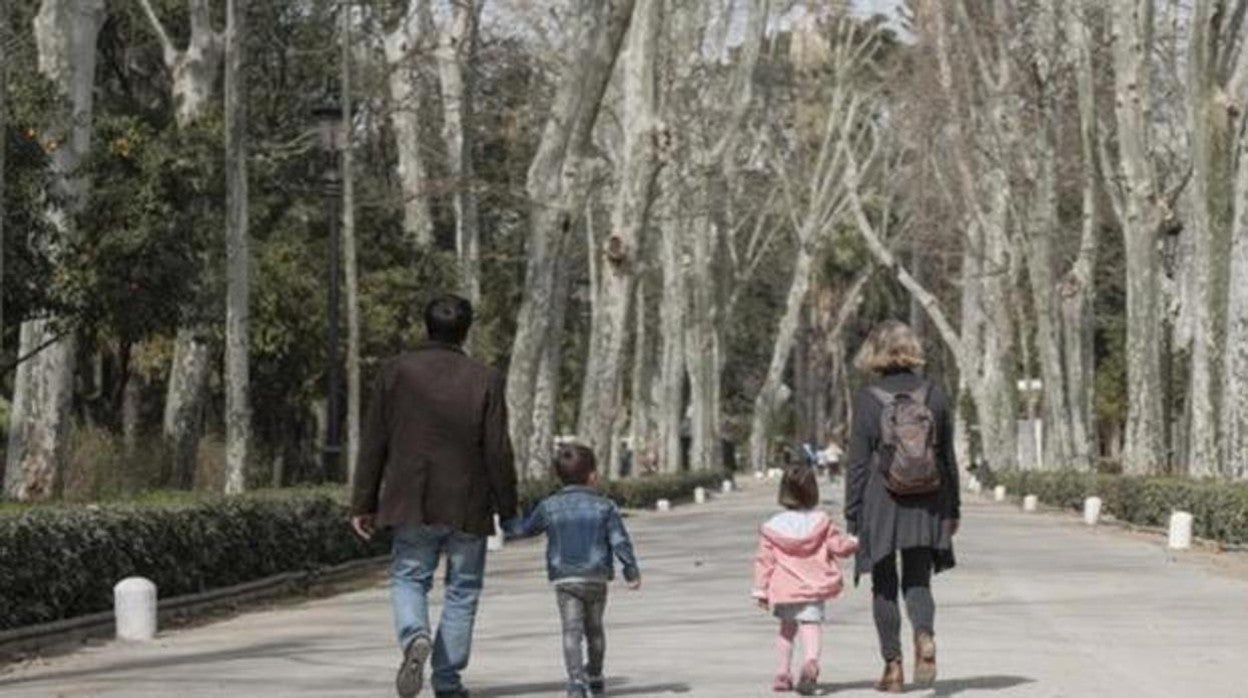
(974, 486)
(998, 493)
(663, 505)
(726, 486)
(758, 475)
(1030, 503)
(495, 542)
(1180, 530)
(134, 607)
(775, 474)
(699, 495)
(1092, 510)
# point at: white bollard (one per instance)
(1180, 530)
(1030, 503)
(1092, 510)
(758, 475)
(495, 542)
(775, 474)
(699, 495)
(134, 607)
(726, 486)
(974, 486)
(663, 505)
(998, 493)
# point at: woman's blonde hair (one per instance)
(891, 346)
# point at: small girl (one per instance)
(795, 572)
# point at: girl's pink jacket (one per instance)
(796, 558)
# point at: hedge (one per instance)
(1220, 508)
(58, 561)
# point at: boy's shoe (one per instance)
(809, 681)
(411, 676)
(577, 690)
(782, 684)
(924, 660)
(597, 687)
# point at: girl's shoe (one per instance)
(924, 660)
(782, 684)
(893, 679)
(809, 682)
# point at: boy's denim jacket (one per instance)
(584, 532)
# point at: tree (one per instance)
(456, 54)
(193, 73)
(1146, 213)
(646, 141)
(238, 256)
(66, 33)
(403, 44)
(817, 207)
(1235, 357)
(557, 188)
(351, 272)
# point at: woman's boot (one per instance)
(924, 660)
(893, 679)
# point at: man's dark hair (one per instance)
(574, 464)
(799, 489)
(448, 318)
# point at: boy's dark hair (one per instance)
(799, 488)
(448, 319)
(574, 464)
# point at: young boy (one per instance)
(584, 532)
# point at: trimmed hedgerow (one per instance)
(59, 561)
(1220, 508)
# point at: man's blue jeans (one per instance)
(415, 556)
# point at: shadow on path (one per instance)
(618, 687)
(945, 687)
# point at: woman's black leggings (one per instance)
(916, 585)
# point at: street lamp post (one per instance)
(330, 130)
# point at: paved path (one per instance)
(1039, 606)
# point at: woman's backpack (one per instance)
(907, 450)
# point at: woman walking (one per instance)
(902, 494)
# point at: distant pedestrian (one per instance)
(585, 535)
(902, 494)
(796, 573)
(435, 464)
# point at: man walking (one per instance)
(435, 464)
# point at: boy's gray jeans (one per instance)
(581, 607)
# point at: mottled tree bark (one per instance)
(557, 189)
(238, 256)
(351, 271)
(401, 47)
(1143, 216)
(645, 140)
(1235, 357)
(39, 423)
(456, 52)
(193, 73)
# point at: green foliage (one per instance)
(1220, 508)
(60, 562)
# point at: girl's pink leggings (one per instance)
(812, 643)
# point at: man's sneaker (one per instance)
(598, 687)
(782, 684)
(577, 690)
(411, 676)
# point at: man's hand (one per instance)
(762, 603)
(635, 584)
(364, 525)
